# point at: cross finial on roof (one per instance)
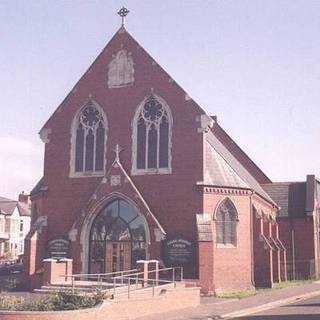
(117, 149)
(123, 12)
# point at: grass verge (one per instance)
(251, 292)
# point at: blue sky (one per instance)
(254, 64)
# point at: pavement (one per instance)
(215, 308)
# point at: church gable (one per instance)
(125, 85)
(122, 65)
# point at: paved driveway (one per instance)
(302, 310)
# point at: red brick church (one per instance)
(133, 166)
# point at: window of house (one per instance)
(152, 137)
(21, 246)
(89, 137)
(226, 223)
(1, 225)
(7, 225)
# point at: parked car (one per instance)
(16, 268)
(4, 271)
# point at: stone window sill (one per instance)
(226, 246)
(87, 174)
(137, 172)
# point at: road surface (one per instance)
(303, 310)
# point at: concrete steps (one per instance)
(121, 289)
(84, 286)
(55, 289)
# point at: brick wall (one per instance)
(178, 202)
(228, 261)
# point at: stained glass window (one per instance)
(226, 223)
(152, 136)
(90, 140)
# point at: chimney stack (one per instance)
(24, 198)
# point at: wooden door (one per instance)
(118, 256)
(109, 256)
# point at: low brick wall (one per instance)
(141, 304)
(146, 305)
(84, 314)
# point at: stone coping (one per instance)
(51, 311)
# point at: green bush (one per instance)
(9, 302)
(43, 304)
(69, 301)
(59, 301)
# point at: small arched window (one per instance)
(89, 140)
(226, 223)
(152, 137)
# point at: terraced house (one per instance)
(14, 226)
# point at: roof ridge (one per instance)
(3, 199)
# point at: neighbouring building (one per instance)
(298, 221)
(14, 226)
(135, 169)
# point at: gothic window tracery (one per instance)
(226, 223)
(120, 70)
(152, 130)
(89, 140)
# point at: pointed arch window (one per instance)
(121, 70)
(152, 137)
(89, 137)
(226, 223)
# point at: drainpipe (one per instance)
(293, 255)
(251, 235)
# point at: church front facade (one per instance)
(134, 169)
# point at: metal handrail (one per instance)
(136, 278)
(151, 271)
(100, 274)
(128, 275)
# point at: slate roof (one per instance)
(238, 153)
(228, 171)
(24, 209)
(7, 207)
(290, 196)
(38, 187)
(219, 172)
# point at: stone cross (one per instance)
(123, 12)
(117, 149)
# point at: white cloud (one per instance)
(21, 165)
